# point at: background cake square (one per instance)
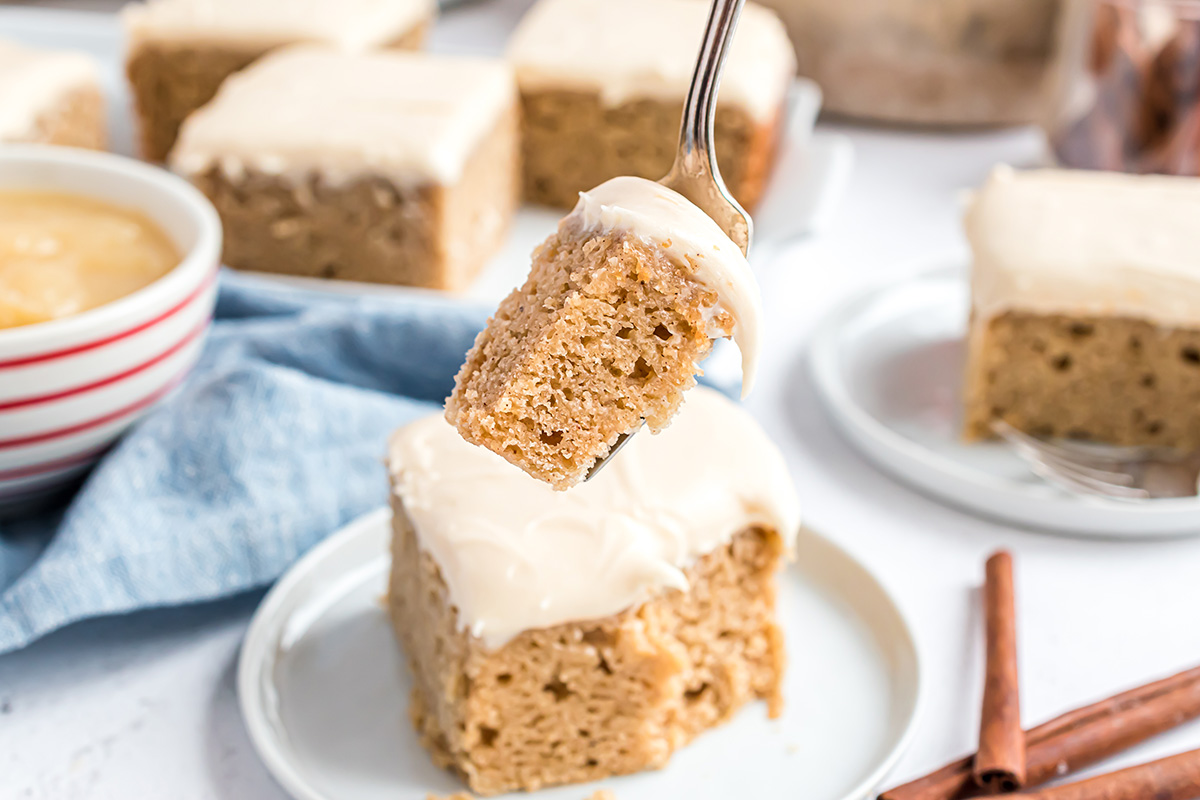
(388, 167)
(180, 51)
(564, 637)
(603, 84)
(1085, 318)
(608, 331)
(50, 97)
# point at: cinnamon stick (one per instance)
(1077, 738)
(1071, 750)
(1173, 778)
(1000, 763)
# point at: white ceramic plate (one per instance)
(324, 689)
(888, 365)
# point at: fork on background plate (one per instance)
(1126, 473)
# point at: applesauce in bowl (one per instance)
(61, 254)
(107, 286)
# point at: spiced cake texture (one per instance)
(50, 97)
(385, 167)
(609, 77)
(557, 638)
(1086, 308)
(609, 329)
(181, 51)
(583, 701)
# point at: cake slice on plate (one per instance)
(1085, 319)
(608, 78)
(621, 305)
(557, 637)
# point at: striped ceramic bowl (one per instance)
(70, 387)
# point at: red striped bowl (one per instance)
(70, 387)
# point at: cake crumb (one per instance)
(606, 333)
(602, 794)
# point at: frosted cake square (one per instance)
(1085, 318)
(387, 167)
(50, 97)
(609, 77)
(557, 637)
(181, 51)
(620, 306)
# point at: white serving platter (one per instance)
(807, 185)
(887, 365)
(324, 689)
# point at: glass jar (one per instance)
(926, 62)
(1126, 88)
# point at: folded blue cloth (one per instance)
(274, 441)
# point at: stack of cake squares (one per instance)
(332, 148)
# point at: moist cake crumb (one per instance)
(619, 309)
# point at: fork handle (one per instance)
(696, 155)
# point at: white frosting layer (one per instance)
(665, 219)
(351, 24)
(411, 117)
(632, 49)
(518, 555)
(33, 82)
(1098, 243)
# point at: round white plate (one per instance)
(324, 689)
(888, 367)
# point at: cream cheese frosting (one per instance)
(33, 82)
(1096, 243)
(634, 49)
(668, 221)
(518, 555)
(412, 117)
(351, 24)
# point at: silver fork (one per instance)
(1128, 473)
(695, 174)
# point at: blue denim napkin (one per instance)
(274, 441)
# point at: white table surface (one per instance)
(144, 706)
